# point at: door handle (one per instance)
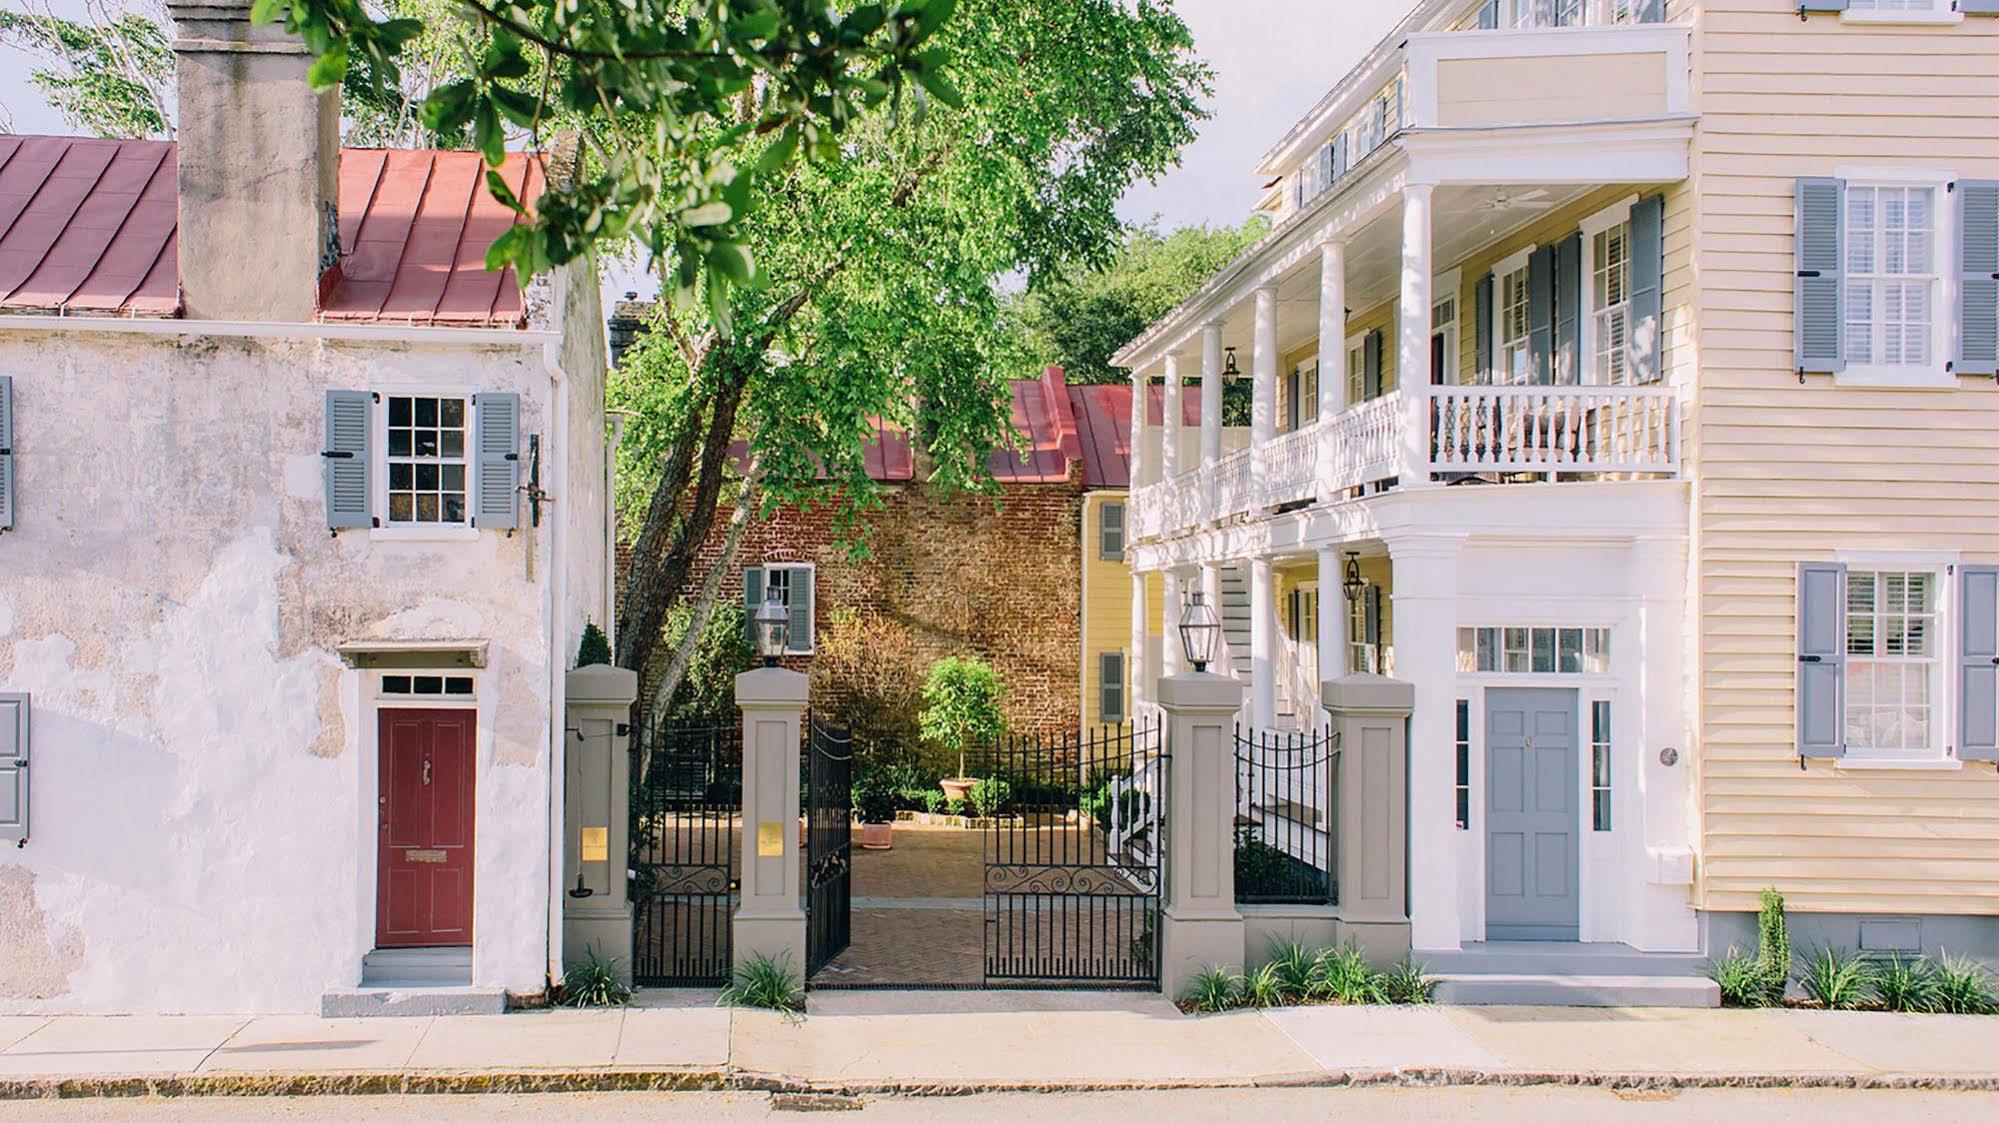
(426, 773)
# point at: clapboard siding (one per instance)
(1786, 472)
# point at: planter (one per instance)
(959, 789)
(877, 836)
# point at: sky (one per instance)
(1272, 59)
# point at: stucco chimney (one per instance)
(259, 161)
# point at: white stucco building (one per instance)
(302, 514)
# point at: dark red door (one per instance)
(423, 888)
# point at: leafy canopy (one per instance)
(961, 705)
(111, 73)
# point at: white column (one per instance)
(1211, 394)
(1263, 368)
(1211, 589)
(1332, 617)
(1412, 355)
(1425, 587)
(1262, 644)
(1172, 654)
(1332, 329)
(1652, 790)
(1169, 457)
(1135, 662)
(1139, 379)
(770, 921)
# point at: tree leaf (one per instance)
(328, 69)
(733, 260)
(779, 153)
(708, 214)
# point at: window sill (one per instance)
(1891, 764)
(1896, 378)
(423, 534)
(1924, 19)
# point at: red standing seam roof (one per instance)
(88, 225)
(1103, 418)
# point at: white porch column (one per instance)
(1211, 589)
(1139, 380)
(1332, 378)
(1141, 690)
(1262, 644)
(1172, 655)
(1263, 368)
(1412, 355)
(1211, 394)
(1169, 457)
(1425, 588)
(1332, 617)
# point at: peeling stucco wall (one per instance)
(203, 779)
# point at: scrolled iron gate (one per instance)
(829, 828)
(686, 834)
(1074, 867)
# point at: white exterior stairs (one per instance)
(1530, 973)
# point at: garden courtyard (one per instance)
(919, 912)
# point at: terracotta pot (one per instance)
(877, 836)
(960, 789)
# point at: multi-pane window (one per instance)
(1515, 321)
(1891, 275)
(1356, 374)
(1891, 661)
(426, 458)
(1536, 651)
(458, 686)
(1463, 779)
(1599, 765)
(1364, 646)
(1610, 303)
(1892, 5)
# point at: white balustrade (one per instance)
(1290, 467)
(1364, 441)
(1231, 485)
(1554, 429)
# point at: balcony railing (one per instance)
(1500, 434)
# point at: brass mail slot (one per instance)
(431, 856)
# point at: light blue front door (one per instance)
(1532, 817)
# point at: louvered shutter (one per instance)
(1978, 663)
(1110, 688)
(1821, 716)
(1568, 292)
(1110, 532)
(1822, 5)
(1541, 316)
(1481, 345)
(1821, 296)
(1339, 155)
(1488, 15)
(348, 466)
(1370, 359)
(1645, 338)
(753, 598)
(13, 767)
(798, 597)
(1978, 277)
(6, 452)
(498, 421)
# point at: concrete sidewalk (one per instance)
(954, 1042)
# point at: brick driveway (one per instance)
(918, 911)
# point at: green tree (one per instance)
(961, 706)
(721, 651)
(110, 72)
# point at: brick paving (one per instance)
(936, 936)
(924, 862)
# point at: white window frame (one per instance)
(387, 700)
(812, 634)
(1938, 12)
(1941, 566)
(378, 424)
(1448, 288)
(1516, 263)
(1356, 370)
(1937, 373)
(1603, 221)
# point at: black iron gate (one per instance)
(686, 833)
(1286, 788)
(829, 827)
(1075, 857)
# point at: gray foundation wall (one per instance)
(1874, 933)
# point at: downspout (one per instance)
(610, 625)
(557, 616)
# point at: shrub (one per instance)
(953, 806)
(595, 650)
(961, 706)
(933, 801)
(1836, 979)
(765, 983)
(1409, 984)
(1740, 977)
(874, 798)
(593, 982)
(707, 692)
(1213, 990)
(1963, 986)
(865, 675)
(1905, 986)
(1260, 868)
(1773, 946)
(1297, 969)
(991, 796)
(1263, 988)
(1343, 976)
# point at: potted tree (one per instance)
(874, 802)
(961, 707)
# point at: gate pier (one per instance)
(770, 920)
(1201, 926)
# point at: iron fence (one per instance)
(686, 833)
(1286, 788)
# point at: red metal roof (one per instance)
(1103, 417)
(87, 225)
(1048, 441)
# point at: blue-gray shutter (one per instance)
(497, 419)
(1481, 344)
(1110, 532)
(1567, 369)
(1646, 253)
(753, 598)
(1978, 7)
(1541, 316)
(1649, 11)
(1978, 277)
(350, 432)
(1821, 715)
(1822, 5)
(6, 452)
(1110, 688)
(1339, 150)
(1488, 15)
(1370, 365)
(13, 768)
(798, 597)
(1978, 663)
(1821, 297)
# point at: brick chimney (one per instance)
(259, 161)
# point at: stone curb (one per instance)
(715, 1080)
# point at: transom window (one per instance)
(1515, 323)
(426, 456)
(1610, 303)
(1535, 651)
(1892, 5)
(1891, 273)
(456, 686)
(1892, 663)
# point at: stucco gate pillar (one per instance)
(1371, 845)
(1200, 927)
(596, 909)
(770, 920)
